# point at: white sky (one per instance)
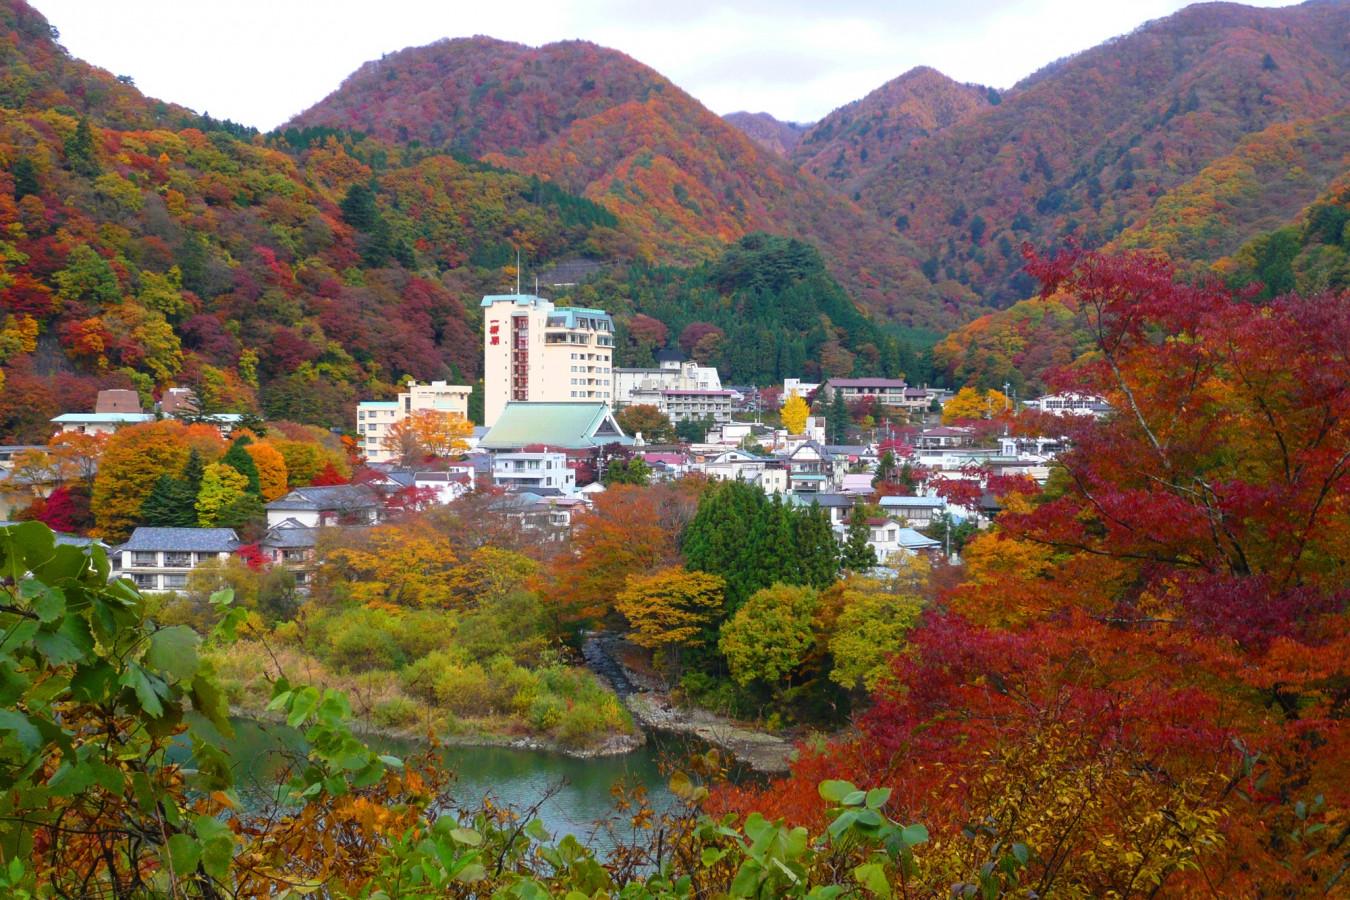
(261, 61)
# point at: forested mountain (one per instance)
(285, 275)
(856, 140)
(682, 182)
(770, 133)
(1088, 145)
(1309, 254)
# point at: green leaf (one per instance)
(853, 798)
(835, 791)
(22, 727)
(872, 876)
(914, 834)
(57, 647)
(537, 831)
(136, 679)
(217, 842)
(303, 702)
(69, 780)
(711, 855)
(222, 599)
(184, 853)
(209, 700)
(877, 797)
(47, 603)
(470, 837)
(174, 650)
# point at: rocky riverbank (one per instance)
(652, 708)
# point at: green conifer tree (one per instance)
(858, 555)
(170, 504)
(816, 548)
(238, 459)
(837, 419)
(79, 147)
(25, 178)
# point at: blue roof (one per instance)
(206, 540)
(518, 299)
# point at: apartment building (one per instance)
(375, 418)
(535, 352)
(528, 470)
(159, 559)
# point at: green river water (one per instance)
(581, 804)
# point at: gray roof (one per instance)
(340, 496)
(824, 499)
(200, 540)
(290, 534)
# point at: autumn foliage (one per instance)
(1142, 679)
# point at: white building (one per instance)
(375, 418)
(535, 351)
(803, 388)
(159, 559)
(1071, 405)
(673, 374)
(526, 470)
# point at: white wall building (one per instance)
(527, 470)
(1071, 405)
(535, 351)
(375, 418)
(673, 374)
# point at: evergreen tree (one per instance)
(79, 149)
(193, 470)
(858, 555)
(718, 539)
(170, 504)
(837, 419)
(238, 459)
(815, 547)
(25, 178)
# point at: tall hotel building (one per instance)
(535, 351)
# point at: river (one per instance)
(580, 805)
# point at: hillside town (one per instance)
(898, 465)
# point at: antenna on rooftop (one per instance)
(517, 270)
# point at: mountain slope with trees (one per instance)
(682, 181)
(1085, 147)
(772, 134)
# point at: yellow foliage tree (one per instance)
(794, 414)
(670, 608)
(428, 432)
(873, 620)
(222, 486)
(394, 565)
(970, 403)
(271, 465)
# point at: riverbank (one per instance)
(652, 708)
(555, 708)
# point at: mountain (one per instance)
(779, 138)
(851, 143)
(1085, 147)
(682, 182)
(147, 246)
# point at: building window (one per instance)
(145, 582)
(177, 558)
(173, 582)
(144, 558)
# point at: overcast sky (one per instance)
(261, 61)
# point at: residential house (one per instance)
(112, 410)
(633, 386)
(913, 510)
(159, 559)
(343, 504)
(524, 470)
(811, 469)
(290, 545)
(943, 436)
(886, 391)
(1070, 404)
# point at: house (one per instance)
(159, 559)
(803, 389)
(857, 484)
(693, 404)
(1071, 404)
(913, 510)
(290, 544)
(522, 470)
(837, 506)
(945, 436)
(546, 517)
(343, 504)
(735, 465)
(886, 391)
(811, 468)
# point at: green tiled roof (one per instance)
(565, 425)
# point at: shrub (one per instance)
(396, 712)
